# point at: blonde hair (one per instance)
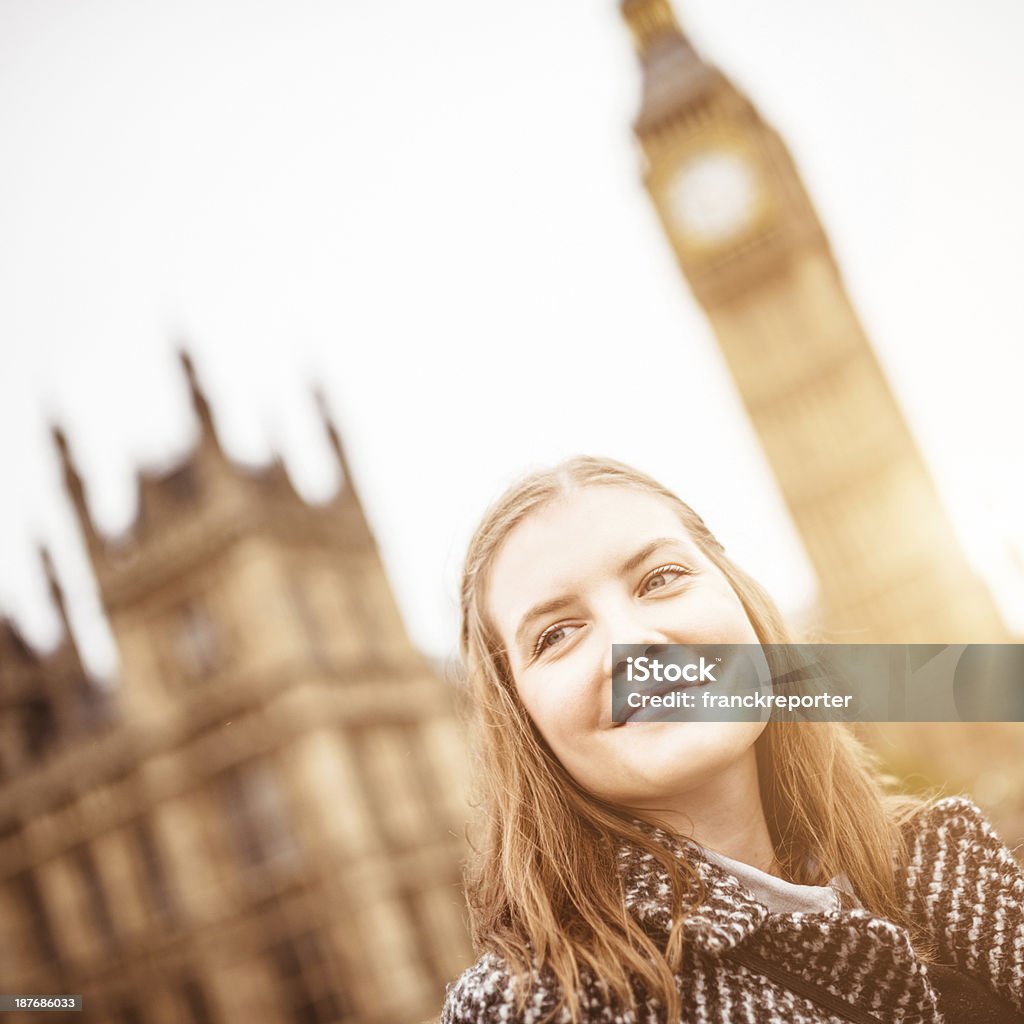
(543, 886)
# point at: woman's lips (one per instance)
(737, 670)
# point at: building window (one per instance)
(309, 621)
(99, 908)
(194, 998)
(196, 641)
(392, 768)
(309, 980)
(129, 1013)
(39, 726)
(429, 941)
(39, 920)
(258, 818)
(154, 873)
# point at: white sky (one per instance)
(435, 210)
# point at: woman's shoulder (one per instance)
(479, 992)
(485, 993)
(965, 887)
(947, 842)
(952, 821)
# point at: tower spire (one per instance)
(350, 493)
(55, 588)
(75, 488)
(334, 438)
(650, 20)
(199, 401)
(674, 73)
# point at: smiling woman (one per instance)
(691, 871)
(635, 575)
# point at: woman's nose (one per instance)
(616, 668)
(631, 629)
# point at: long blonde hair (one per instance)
(543, 887)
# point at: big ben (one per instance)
(746, 237)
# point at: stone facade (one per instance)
(264, 823)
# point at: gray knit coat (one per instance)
(960, 881)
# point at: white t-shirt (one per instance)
(782, 897)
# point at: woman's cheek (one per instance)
(564, 697)
(555, 708)
(543, 701)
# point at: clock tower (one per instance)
(748, 241)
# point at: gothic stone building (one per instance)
(263, 823)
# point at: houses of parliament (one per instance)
(263, 823)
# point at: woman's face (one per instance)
(613, 564)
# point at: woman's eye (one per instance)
(551, 638)
(664, 576)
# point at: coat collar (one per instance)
(726, 916)
(729, 915)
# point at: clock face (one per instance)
(714, 196)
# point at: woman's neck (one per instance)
(725, 814)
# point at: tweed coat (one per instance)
(745, 965)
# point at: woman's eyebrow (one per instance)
(558, 603)
(635, 561)
(555, 605)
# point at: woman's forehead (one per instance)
(577, 536)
